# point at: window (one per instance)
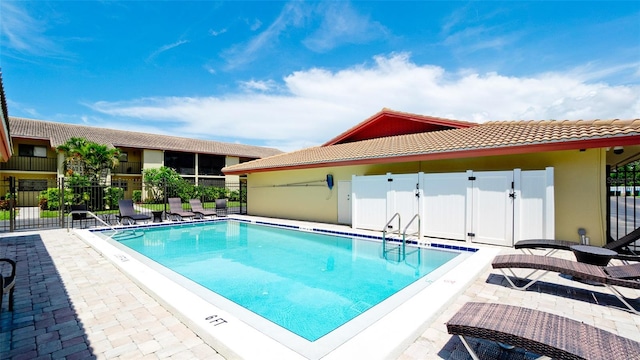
(32, 185)
(32, 150)
(210, 164)
(124, 157)
(183, 163)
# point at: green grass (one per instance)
(45, 214)
(4, 214)
(186, 206)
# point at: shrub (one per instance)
(111, 197)
(137, 196)
(50, 199)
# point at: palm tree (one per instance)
(88, 158)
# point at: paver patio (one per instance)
(72, 303)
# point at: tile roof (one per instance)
(491, 138)
(391, 122)
(59, 133)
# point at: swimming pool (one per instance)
(322, 307)
(308, 283)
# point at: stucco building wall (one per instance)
(580, 192)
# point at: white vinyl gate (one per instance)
(490, 207)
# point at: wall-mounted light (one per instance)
(618, 150)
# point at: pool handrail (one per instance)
(384, 232)
(71, 213)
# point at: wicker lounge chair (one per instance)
(540, 332)
(7, 283)
(176, 212)
(609, 276)
(129, 214)
(196, 207)
(620, 245)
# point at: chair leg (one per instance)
(11, 298)
(473, 354)
(622, 299)
(526, 286)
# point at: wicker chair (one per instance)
(540, 332)
(196, 207)
(128, 213)
(7, 283)
(620, 245)
(608, 276)
(176, 212)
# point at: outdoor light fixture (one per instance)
(618, 150)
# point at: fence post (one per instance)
(12, 200)
(61, 200)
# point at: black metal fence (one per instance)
(30, 204)
(623, 211)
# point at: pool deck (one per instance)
(71, 302)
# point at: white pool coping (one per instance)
(386, 338)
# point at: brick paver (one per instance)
(71, 303)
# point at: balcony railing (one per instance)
(210, 171)
(28, 163)
(128, 167)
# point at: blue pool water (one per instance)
(308, 283)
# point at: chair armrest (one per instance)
(13, 268)
(627, 257)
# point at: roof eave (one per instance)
(577, 144)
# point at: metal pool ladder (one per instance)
(400, 250)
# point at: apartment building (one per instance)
(36, 161)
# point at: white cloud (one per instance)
(255, 24)
(318, 104)
(23, 33)
(217, 32)
(291, 15)
(254, 85)
(342, 24)
(166, 48)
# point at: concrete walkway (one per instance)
(71, 303)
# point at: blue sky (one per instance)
(295, 74)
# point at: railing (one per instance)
(87, 212)
(384, 232)
(406, 228)
(29, 163)
(402, 248)
(128, 167)
(210, 171)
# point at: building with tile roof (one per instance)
(199, 161)
(5, 137)
(581, 153)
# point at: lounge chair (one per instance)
(221, 207)
(196, 207)
(609, 276)
(7, 283)
(176, 212)
(620, 245)
(539, 332)
(129, 214)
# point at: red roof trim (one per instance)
(389, 114)
(472, 153)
